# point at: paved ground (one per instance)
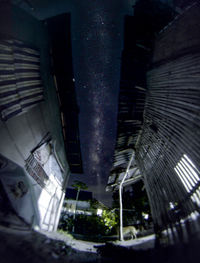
(23, 245)
(20, 244)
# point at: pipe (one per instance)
(120, 196)
(57, 159)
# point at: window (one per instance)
(190, 177)
(36, 171)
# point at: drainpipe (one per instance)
(120, 196)
(56, 222)
(66, 178)
(56, 156)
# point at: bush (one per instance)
(90, 225)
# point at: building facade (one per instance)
(34, 168)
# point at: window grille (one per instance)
(35, 170)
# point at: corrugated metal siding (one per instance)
(20, 80)
(168, 149)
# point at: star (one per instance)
(97, 58)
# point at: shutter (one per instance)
(168, 150)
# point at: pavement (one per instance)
(19, 243)
(34, 247)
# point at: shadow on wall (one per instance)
(27, 76)
(18, 191)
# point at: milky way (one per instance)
(97, 55)
(98, 42)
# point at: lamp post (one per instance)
(120, 195)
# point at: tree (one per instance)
(78, 185)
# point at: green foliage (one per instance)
(79, 185)
(66, 222)
(110, 220)
(90, 225)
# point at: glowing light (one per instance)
(171, 205)
(146, 216)
(99, 212)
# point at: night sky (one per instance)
(97, 43)
(97, 46)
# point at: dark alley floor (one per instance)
(20, 244)
(24, 245)
(29, 246)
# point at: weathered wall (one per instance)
(180, 35)
(20, 134)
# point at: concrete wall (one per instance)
(20, 134)
(180, 35)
